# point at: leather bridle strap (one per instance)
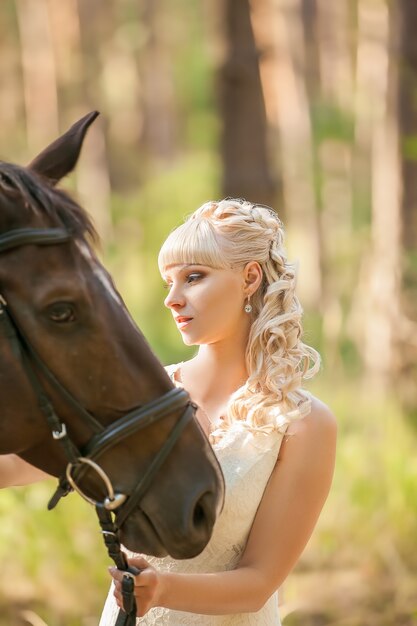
(28, 236)
(143, 417)
(133, 501)
(21, 344)
(57, 428)
(127, 616)
(139, 419)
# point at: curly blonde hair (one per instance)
(229, 234)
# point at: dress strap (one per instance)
(173, 371)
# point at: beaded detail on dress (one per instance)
(247, 460)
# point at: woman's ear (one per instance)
(252, 275)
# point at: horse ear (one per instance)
(61, 156)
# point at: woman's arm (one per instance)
(14, 471)
(290, 507)
(293, 499)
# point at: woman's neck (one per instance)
(216, 371)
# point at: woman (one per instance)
(231, 291)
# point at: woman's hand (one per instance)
(147, 585)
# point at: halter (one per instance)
(115, 508)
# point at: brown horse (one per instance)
(74, 365)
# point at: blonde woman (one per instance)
(231, 291)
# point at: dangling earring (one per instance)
(248, 306)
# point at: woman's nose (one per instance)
(173, 299)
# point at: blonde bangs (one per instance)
(194, 242)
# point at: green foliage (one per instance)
(331, 122)
(371, 514)
(409, 147)
(54, 558)
(359, 568)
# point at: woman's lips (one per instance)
(182, 321)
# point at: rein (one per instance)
(115, 508)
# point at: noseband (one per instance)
(103, 438)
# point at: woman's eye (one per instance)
(61, 313)
(191, 278)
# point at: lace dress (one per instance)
(247, 460)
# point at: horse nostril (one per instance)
(203, 517)
(199, 515)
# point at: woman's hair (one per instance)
(229, 234)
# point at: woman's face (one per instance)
(207, 303)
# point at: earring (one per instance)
(248, 306)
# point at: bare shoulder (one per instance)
(316, 431)
(319, 421)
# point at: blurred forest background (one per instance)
(309, 106)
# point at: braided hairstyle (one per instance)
(229, 234)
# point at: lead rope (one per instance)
(127, 616)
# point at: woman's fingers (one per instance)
(145, 584)
(139, 562)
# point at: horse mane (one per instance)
(39, 197)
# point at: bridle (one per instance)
(115, 508)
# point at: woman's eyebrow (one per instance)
(179, 267)
(182, 265)
(166, 275)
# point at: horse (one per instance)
(83, 397)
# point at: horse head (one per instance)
(81, 390)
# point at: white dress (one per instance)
(247, 461)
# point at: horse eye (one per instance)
(5, 181)
(61, 313)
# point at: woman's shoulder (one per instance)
(320, 419)
(321, 414)
(311, 436)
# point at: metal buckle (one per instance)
(60, 434)
(112, 501)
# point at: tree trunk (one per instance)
(159, 116)
(38, 62)
(377, 297)
(263, 14)
(328, 75)
(296, 141)
(12, 106)
(93, 177)
(404, 13)
(246, 167)
(407, 16)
